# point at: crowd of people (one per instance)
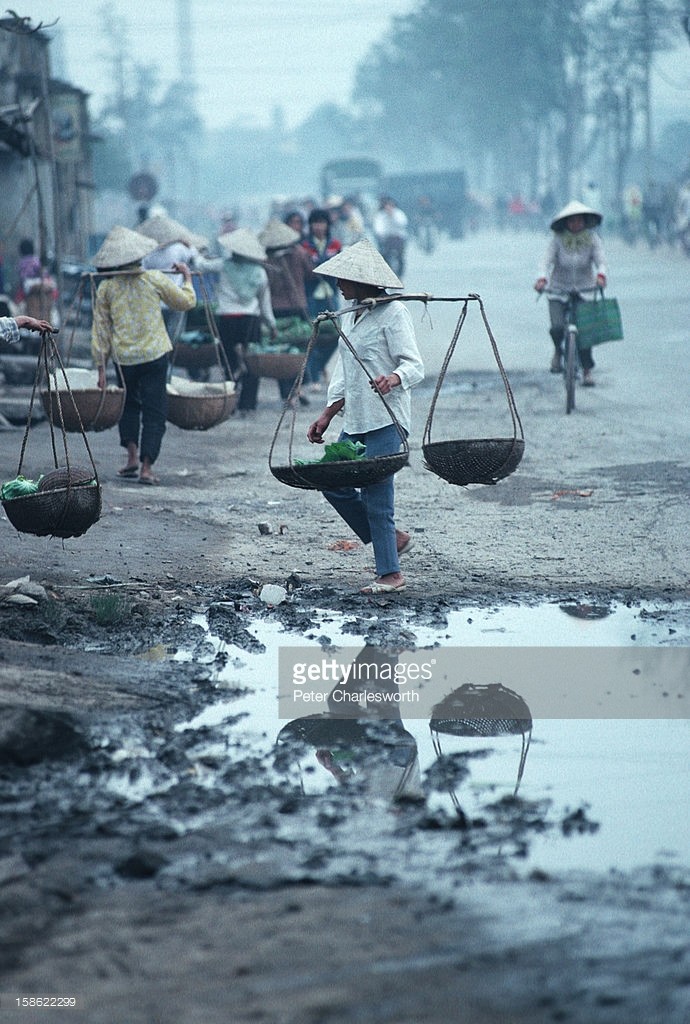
(307, 259)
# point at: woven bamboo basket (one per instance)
(195, 356)
(200, 412)
(474, 461)
(66, 504)
(329, 476)
(97, 409)
(279, 365)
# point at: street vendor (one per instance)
(289, 270)
(128, 326)
(383, 337)
(243, 304)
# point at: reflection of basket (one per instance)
(475, 461)
(280, 365)
(200, 412)
(98, 409)
(195, 356)
(328, 476)
(60, 511)
(489, 709)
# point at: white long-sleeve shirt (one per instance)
(383, 337)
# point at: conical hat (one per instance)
(277, 235)
(242, 242)
(576, 209)
(122, 246)
(165, 231)
(360, 262)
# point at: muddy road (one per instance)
(157, 865)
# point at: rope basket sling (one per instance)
(479, 711)
(68, 500)
(86, 408)
(326, 476)
(475, 460)
(204, 410)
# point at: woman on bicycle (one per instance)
(574, 260)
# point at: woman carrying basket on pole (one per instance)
(384, 340)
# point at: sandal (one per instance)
(383, 588)
(128, 471)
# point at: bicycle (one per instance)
(570, 349)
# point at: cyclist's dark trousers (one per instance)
(557, 315)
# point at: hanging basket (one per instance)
(278, 365)
(194, 405)
(329, 476)
(195, 357)
(477, 461)
(87, 408)
(55, 510)
(68, 499)
(474, 460)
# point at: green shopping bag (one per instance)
(598, 321)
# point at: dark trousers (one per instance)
(557, 317)
(237, 333)
(146, 405)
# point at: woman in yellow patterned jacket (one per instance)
(128, 326)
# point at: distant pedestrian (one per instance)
(243, 303)
(176, 244)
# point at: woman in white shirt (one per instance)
(384, 339)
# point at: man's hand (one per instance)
(601, 280)
(540, 284)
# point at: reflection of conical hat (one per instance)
(363, 263)
(242, 242)
(576, 209)
(277, 235)
(122, 246)
(165, 231)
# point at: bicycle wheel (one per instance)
(570, 366)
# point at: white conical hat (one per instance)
(576, 209)
(242, 242)
(360, 262)
(165, 231)
(277, 235)
(122, 246)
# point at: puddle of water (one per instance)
(630, 776)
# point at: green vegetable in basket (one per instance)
(18, 488)
(337, 451)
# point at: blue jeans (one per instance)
(370, 511)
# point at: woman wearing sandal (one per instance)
(128, 325)
(383, 337)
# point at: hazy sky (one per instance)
(252, 55)
(249, 55)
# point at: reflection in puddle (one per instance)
(618, 787)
